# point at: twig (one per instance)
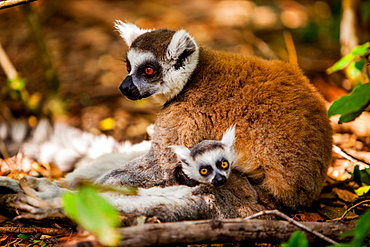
(354, 206)
(12, 3)
(292, 221)
(6, 64)
(347, 156)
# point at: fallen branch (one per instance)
(292, 221)
(12, 3)
(226, 231)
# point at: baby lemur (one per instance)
(209, 161)
(282, 137)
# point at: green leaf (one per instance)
(361, 176)
(341, 64)
(362, 190)
(24, 236)
(298, 239)
(355, 68)
(352, 105)
(94, 213)
(361, 50)
(365, 176)
(360, 232)
(357, 175)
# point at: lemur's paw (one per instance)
(31, 198)
(9, 186)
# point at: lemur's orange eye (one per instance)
(128, 67)
(149, 71)
(203, 171)
(224, 164)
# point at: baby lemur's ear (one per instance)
(128, 31)
(182, 152)
(181, 46)
(229, 136)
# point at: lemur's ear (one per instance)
(128, 31)
(181, 46)
(182, 152)
(229, 136)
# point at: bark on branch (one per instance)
(35, 229)
(12, 3)
(226, 231)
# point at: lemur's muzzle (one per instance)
(219, 180)
(129, 89)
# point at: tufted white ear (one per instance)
(128, 31)
(182, 152)
(181, 44)
(229, 136)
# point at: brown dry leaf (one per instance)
(20, 166)
(332, 212)
(307, 216)
(345, 195)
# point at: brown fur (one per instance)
(283, 136)
(282, 133)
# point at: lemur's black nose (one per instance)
(128, 89)
(219, 180)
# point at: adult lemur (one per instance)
(283, 137)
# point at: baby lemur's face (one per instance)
(209, 161)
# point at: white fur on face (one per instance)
(137, 58)
(208, 158)
(175, 79)
(191, 165)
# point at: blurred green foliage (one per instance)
(298, 239)
(94, 213)
(356, 69)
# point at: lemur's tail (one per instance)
(68, 147)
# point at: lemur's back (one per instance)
(283, 135)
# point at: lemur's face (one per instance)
(209, 161)
(145, 75)
(158, 62)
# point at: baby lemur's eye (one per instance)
(205, 170)
(224, 165)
